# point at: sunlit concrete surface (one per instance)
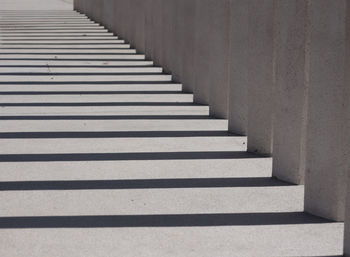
(36, 5)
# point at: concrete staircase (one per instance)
(102, 154)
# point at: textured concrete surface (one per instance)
(261, 82)
(291, 47)
(35, 5)
(96, 166)
(239, 73)
(347, 144)
(325, 164)
(204, 241)
(212, 27)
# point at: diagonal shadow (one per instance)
(176, 220)
(126, 156)
(141, 184)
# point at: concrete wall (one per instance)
(325, 176)
(347, 140)
(290, 96)
(274, 68)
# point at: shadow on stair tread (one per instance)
(108, 134)
(176, 220)
(142, 184)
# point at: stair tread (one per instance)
(121, 145)
(90, 87)
(152, 201)
(204, 241)
(205, 166)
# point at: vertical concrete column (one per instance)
(170, 39)
(77, 5)
(289, 126)
(137, 24)
(347, 221)
(154, 30)
(117, 19)
(97, 12)
(325, 177)
(239, 71)
(108, 14)
(186, 43)
(212, 55)
(260, 81)
(347, 141)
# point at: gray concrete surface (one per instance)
(260, 72)
(212, 27)
(239, 74)
(325, 164)
(347, 135)
(54, 5)
(205, 241)
(291, 47)
(103, 167)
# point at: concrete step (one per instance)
(113, 112)
(122, 145)
(52, 26)
(42, 18)
(40, 52)
(90, 87)
(74, 56)
(84, 78)
(43, 34)
(98, 98)
(74, 62)
(58, 31)
(68, 41)
(64, 46)
(68, 69)
(23, 17)
(206, 240)
(4, 52)
(203, 166)
(171, 201)
(147, 125)
(71, 46)
(47, 21)
(20, 14)
(58, 38)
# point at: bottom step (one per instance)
(285, 239)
